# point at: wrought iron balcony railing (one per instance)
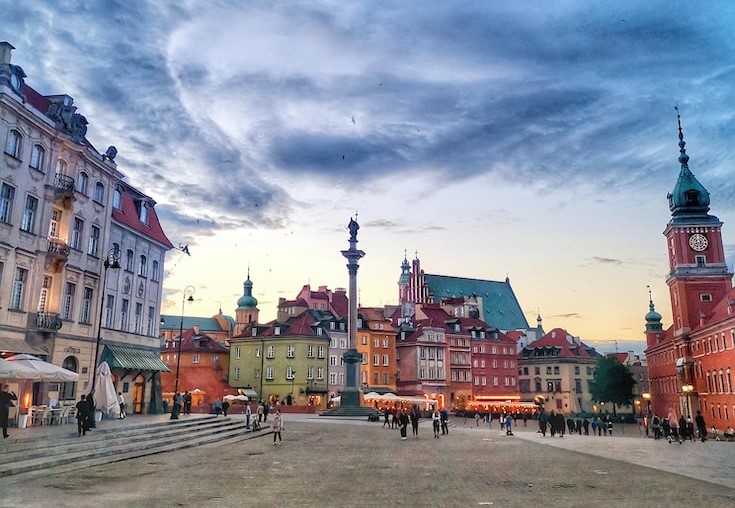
(48, 321)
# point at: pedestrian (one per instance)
(266, 409)
(656, 426)
(552, 423)
(217, 406)
(277, 427)
(436, 422)
(701, 426)
(543, 420)
(403, 422)
(586, 426)
(260, 411)
(415, 421)
(477, 419)
(176, 406)
(594, 425)
(82, 416)
(394, 420)
(525, 418)
(578, 426)
(509, 425)
(187, 403)
(609, 425)
(444, 421)
(674, 427)
(121, 401)
(386, 418)
(570, 425)
(225, 407)
(248, 413)
(91, 424)
(6, 402)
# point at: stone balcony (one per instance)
(64, 190)
(48, 321)
(58, 253)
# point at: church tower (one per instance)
(699, 277)
(654, 328)
(247, 308)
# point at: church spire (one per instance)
(689, 197)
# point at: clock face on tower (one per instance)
(698, 242)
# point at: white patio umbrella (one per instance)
(105, 397)
(373, 396)
(231, 398)
(46, 371)
(14, 370)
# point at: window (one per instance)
(116, 199)
(124, 315)
(290, 351)
(271, 353)
(385, 360)
(43, 297)
(38, 155)
(376, 360)
(68, 303)
(320, 351)
(144, 213)
(83, 183)
(53, 226)
(99, 192)
(29, 214)
(61, 167)
(195, 358)
(110, 311)
(310, 373)
(94, 241)
(143, 267)
(257, 350)
(154, 271)
(84, 316)
(237, 372)
(13, 144)
(320, 373)
(129, 260)
(364, 340)
(310, 351)
(705, 297)
(376, 342)
(385, 343)
(343, 343)
(7, 194)
(151, 321)
(19, 283)
(290, 373)
(700, 260)
(332, 378)
(138, 317)
(76, 233)
(333, 360)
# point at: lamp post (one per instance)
(647, 397)
(687, 389)
(188, 296)
(111, 261)
(293, 378)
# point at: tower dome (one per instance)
(247, 300)
(689, 197)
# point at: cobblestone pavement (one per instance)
(325, 463)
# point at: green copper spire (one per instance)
(247, 300)
(689, 197)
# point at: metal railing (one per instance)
(58, 246)
(48, 321)
(64, 183)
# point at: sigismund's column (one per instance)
(350, 396)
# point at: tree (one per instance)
(612, 382)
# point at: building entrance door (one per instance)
(138, 394)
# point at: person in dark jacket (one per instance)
(701, 426)
(403, 424)
(415, 421)
(6, 398)
(82, 416)
(91, 424)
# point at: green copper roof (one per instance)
(205, 324)
(499, 304)
(689, 197)
(130, 358)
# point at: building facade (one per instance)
(377, 344)
(690, 363)
(58, 227)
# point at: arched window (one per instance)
(154, 274)
(12, 146)
(99, 192)
(61, 167)
(67, 391)
(38, 157)
(116, 198)
(129, 260)
(83, 183)
(143, 268)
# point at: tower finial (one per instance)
(683, 157)
(650, 298)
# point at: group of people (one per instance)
(557, 425)
(675, 428)
(400, 417)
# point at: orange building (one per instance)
(203, 366)
(376, 342)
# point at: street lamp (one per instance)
(647, 397)
(293, 378)
(188, 296)
(111, 261)
(687, 389)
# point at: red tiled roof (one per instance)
(340, 303)
(35, 99)
(294, 303)
(193, 343)
(557, 338)
(127, 214)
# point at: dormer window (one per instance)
(117, 199)
(255, 332)
(277, 330)
(319, 332)
(456, 327)
(143, 212)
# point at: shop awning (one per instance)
(18, 345)
(129, 358)
(249, 393)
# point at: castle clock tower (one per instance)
(698, 276)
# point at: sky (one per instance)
(495, 139)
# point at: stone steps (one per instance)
(37, 457)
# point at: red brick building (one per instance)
(690, 363)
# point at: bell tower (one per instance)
(698, 276)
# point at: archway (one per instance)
(67, 391)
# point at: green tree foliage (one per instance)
(612, 382)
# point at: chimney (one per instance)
(5, 49)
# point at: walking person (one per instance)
(386, 418)
(260, 411)
(543, 420)
(436, 422)
(403, 423)
(444, 421)
(225, 407)
(509, 425)
(187, 403)
(82, 416)
(277, 427)
(701, 426)
(673, 427)
(248, 413)
(121, 402)
(266, 409)
(6, 402)
(217, 406)
(415, 421)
